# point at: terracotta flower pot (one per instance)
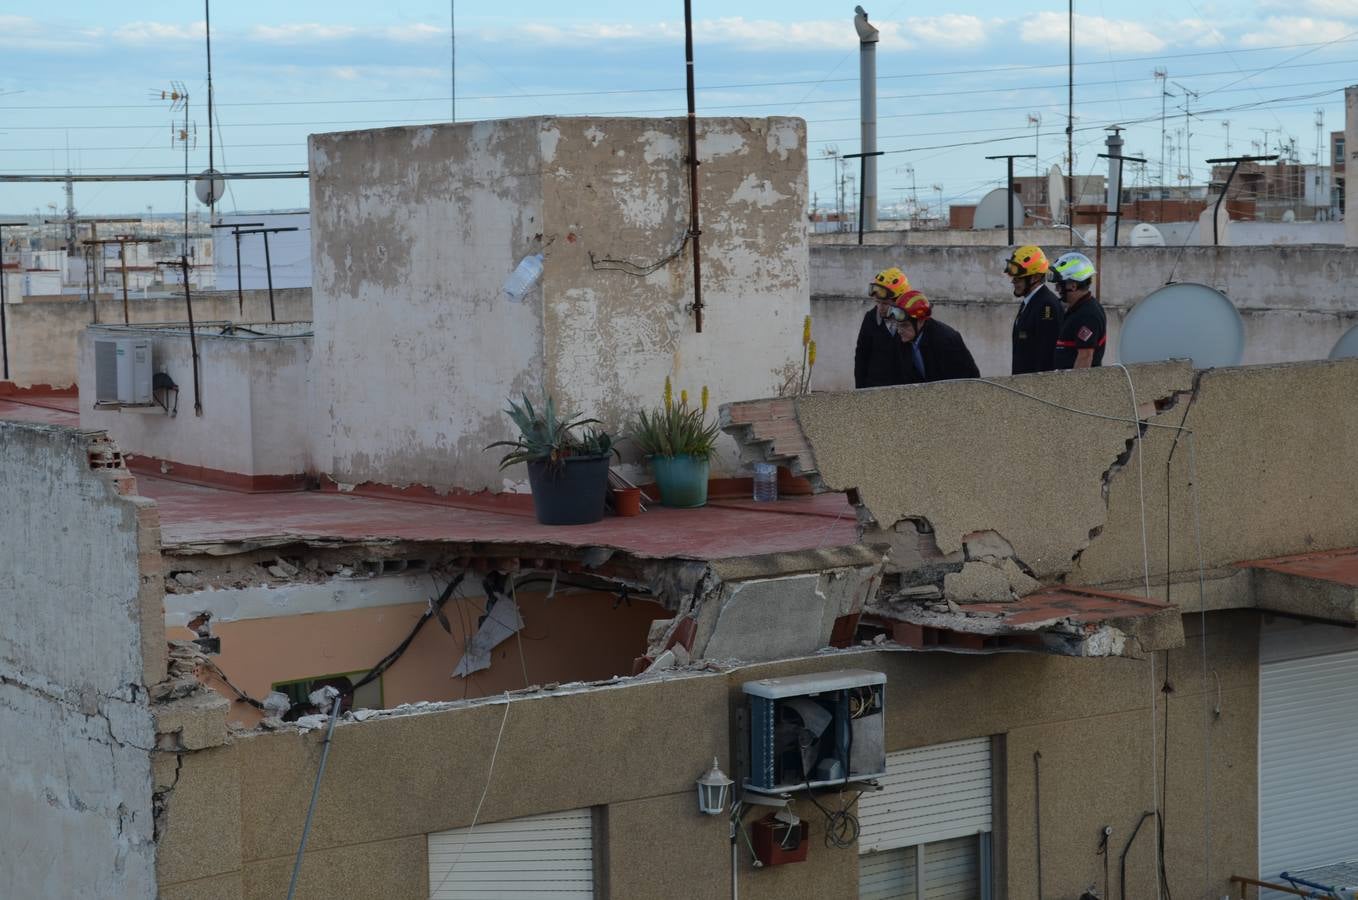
(627, 501)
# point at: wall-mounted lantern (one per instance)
(712, 790)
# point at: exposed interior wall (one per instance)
(81, 638)
(574, 636)
(44, 334)
(410, 308)
(635, 750)
(253, 389)
(1266, 473)
(1295, 301)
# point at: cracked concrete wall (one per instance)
(81, 637)
(968, 456)
(253, 389)
(1274, 450)
(416, 229)
(44, 334)
(1294, 301)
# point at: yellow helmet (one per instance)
(893, 281)
(1027, 260)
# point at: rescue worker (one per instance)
(1084, 330)
(935, 352)
(877, 357)
(1038, 321)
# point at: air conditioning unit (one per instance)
(821, 730)
(122, 371)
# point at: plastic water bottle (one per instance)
(765, 481)
(524, 276)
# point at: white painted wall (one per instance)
(416, 229)
(75, 729)
(253, 391)
(289, 252)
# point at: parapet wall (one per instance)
(1296, 302)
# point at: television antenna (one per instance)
(1035, 120)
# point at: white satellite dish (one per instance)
(990, 212)
(1347, 346)
(1184, 321)
(1289, 215)
(210, 187)
(1056, 194)
(1145, 234)
(1223, 224)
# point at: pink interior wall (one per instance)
(575, 636)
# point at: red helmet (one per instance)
(915, 305)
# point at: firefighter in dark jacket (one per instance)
(877, 357)
(1038, 321)
(934, 352)
(1084, 331)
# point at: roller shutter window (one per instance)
(926, 834)
(1308, 729)
(549, 856)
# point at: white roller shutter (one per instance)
(928, 794)
(1308, 747)
(549, 856)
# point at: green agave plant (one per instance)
(545, 435)
(674, 429)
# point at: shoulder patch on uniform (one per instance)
(1085, 333)
(1046, 312)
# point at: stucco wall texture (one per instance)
(44, 334)
(253, 389)
(76, 619)
(1273, 448)
(416, 229)
(636, 749)
(1296, 302)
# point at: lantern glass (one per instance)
(712, 790)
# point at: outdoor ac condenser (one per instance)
(821, 730)
(122, 371)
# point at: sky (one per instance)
(82, 80)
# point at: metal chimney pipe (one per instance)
(1111, 201)
(867, 89)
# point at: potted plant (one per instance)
(677, 441)
(567, 462)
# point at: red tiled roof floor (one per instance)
(1080, 605)
(1337, 566)
(724, 529)
(193, 514)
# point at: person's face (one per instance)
(883, 308)
(1071, 292)
(1021, 286)
(907, 330)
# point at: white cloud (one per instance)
(301, 33)
(1117, 35)
(1338, 9)
(1294, 30)
(157, 32)
(946, 31)
(316, 32)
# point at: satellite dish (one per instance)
(990, 212)
(1146, 235)
(1184, 321)
(209, 186)
(1289, 215)
(1347, 346)
(1089, 236)
(1056, 194)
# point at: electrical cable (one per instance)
(390, 659)
(490, 773)
(518, 632)
(226, 681)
